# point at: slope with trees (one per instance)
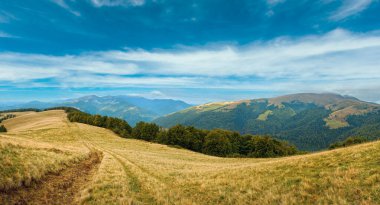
(216, 142)
(310, 121)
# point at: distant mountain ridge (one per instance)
(310, 121)
(131, 108)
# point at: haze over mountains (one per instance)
(310, 121)
(130, 108)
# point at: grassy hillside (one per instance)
(310, 121)
(137, 172)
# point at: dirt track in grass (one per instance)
(137, 172)
(59, 188)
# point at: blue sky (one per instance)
(197, 50)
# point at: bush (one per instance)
(2, 128)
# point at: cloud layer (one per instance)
(338, 61)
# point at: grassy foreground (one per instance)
(137, 172)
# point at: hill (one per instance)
(47, 159)
(310, 121)
(130, 108)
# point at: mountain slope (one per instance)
(130, 108)
(138, 172)
(310, 121)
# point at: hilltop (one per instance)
(310, 121)
(132, 171)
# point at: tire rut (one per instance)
(61, 188)
(135, 186)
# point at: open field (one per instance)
(41, 145)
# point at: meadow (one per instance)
(44, 148)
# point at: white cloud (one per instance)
(100, 3)
(64, 5)
(300, 58)
(350, 8)
(336, 61)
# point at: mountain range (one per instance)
(310, 121)
(130, 108)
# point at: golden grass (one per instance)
(264, 116)
(34, 146)
(137, 172)
(33, 121)
(335, 123)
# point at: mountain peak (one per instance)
(321, 99)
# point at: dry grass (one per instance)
(34, 146)
(21, 166)
(264, 116)
(335, 123)
(137, 172)
(33, 121)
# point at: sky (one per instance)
(195, 50)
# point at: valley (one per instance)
(132, 171)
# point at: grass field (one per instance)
(137, 172)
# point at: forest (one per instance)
(301, 124)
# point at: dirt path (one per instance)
(59, 188)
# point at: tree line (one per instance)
(216, 142)
(21, 110)
(348, 142)
(5, 117)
